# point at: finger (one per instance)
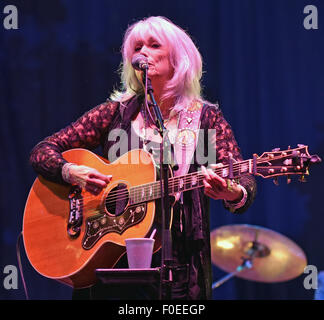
(211, 172)
(208, 187)
(98, 175)
(216, 181)
(204, 172)
(93, 189)
(214, 168)
(98, 183)
(221, 182)
(216, 165)
(210, 192)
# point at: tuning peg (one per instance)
(276, 149)
(300, 145)
(302, 178)
(315, 159)
(275, 181)
(288, 179)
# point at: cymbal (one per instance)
(276, 258)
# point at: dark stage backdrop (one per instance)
(260, 62)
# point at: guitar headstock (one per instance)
(285, 163)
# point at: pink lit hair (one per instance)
(184, 57)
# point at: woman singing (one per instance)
(175, 70)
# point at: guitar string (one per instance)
(103, 211)
(155, 190)
(137, 191)
(113, 195)
(155, 187)
(186, 178)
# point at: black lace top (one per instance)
(92, 129)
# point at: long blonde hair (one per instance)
(185, 58)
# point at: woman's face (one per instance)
(158, 58)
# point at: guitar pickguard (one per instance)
(101, 224)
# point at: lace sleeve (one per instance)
(226, 145)
(46, 157)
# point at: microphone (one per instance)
(140, 62)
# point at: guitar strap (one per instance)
(187, 137)
(187, 132)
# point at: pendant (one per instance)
(186, 137)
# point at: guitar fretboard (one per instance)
(152, 191)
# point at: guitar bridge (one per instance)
(76, 216)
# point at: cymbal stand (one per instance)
(256, 249)
(247, 264)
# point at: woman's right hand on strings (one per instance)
(87, 178)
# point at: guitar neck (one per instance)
(190, 181)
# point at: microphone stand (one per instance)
(166, 278)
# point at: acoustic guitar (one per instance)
(68, 232)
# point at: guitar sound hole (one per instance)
(117, 200)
